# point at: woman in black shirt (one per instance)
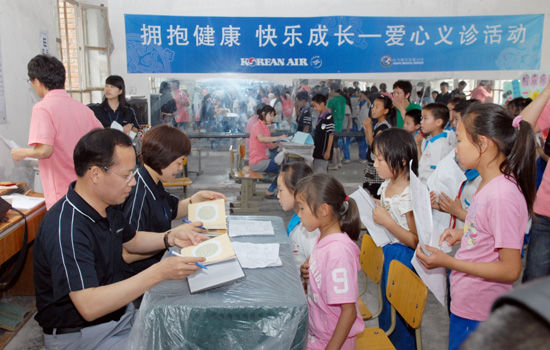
(114, 107)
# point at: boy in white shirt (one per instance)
(436, 146)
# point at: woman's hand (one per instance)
(202, 196)
(127, 128)
(436, 258)
(187, 234)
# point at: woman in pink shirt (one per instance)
(489, 258)
(332, 293)
(260, 142)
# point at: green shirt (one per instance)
(399, 118)
(337, 106)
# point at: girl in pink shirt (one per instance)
(488, 261)
(334, 321)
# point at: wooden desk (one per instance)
(11, 237)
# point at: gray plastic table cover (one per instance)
(265, 310)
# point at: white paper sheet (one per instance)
(446, 178)
(380, 235)
(250, 228)
(216, 275)
(117, 126)
(22, 202)
(13, 145)
(435, 279)
(253, 256)
(9, 143)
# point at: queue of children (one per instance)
(495, 153)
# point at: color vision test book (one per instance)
(211, 214)
(221, 261)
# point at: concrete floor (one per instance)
(214, 166)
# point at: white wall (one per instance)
(312, 8)
(20, 26)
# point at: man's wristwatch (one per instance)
(166, 244)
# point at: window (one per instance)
(84, 37)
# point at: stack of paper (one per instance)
(253, 256)
(22, 202)
(250, 228)
(380, 235)
(212, 215)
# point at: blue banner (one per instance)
(339, 44)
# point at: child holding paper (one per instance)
(301, 240)
(334, 320)
(488, 261)
(394, 149)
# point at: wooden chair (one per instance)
(407, 294)
(372, 261)
(242, 155)
(182, 182)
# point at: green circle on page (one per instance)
(207, 250)
(206, 213)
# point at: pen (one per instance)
(185, 221)
(197, 263)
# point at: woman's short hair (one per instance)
(162, 145)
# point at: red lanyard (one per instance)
(452, 222)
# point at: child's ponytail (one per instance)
(513, 137)
(349, 218)
(522, 161)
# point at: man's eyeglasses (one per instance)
(128, 178)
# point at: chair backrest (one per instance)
(371, 259)
(242, 151)
(407, 293)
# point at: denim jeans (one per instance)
(537, 263)
(343, 143)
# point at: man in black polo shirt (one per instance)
(81, 296)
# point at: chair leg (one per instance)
(418, 337)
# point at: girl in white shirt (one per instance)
(302, 241)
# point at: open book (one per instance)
(221, 260)
(211, 213)
(215, 250)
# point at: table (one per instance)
(303, 151)
(267, 309)
(11, 237)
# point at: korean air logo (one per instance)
(316, 62)
(249, 62)
(385, 61)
